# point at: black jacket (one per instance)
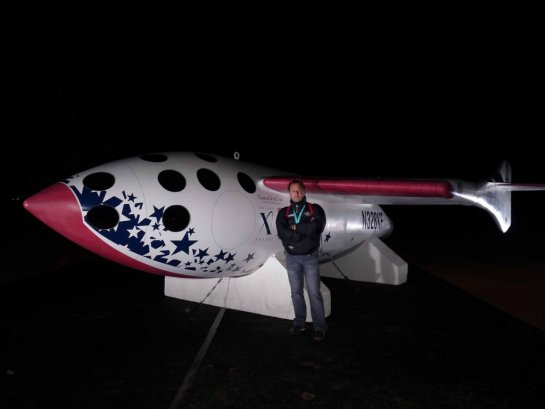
(306, 236)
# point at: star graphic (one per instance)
(250, 257)
(147, 239)
(184, 244)
(327, 236)
(134, 232)
(230, 257)
(157, 213)
(221, 255)
(168, 256)
(202, 253)
(153, 252)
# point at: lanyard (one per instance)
(296, 216)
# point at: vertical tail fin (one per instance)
(495, 195)
(498, 201)
(491, 197)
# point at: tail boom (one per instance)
(493, 195)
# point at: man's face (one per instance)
(297, 192)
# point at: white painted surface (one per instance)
(372, 261)
(265, 292)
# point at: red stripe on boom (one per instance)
(405, 188)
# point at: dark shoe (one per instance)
(296, 330)
(319, 335)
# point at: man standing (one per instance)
(300, 226)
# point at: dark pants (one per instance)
(304, 271)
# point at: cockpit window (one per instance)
(176, 218)
(208, 179)
(99, 181)
(246, 182)
(171, 180)
(102, 217)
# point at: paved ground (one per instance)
(467, 250)
(94, 335)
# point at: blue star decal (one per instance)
(221, 255)
(202, 253)
(112, 201)
(157, 243)
(184, 244)
(158, 213)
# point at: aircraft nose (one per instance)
(57, 207)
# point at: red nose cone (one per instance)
(57, 207)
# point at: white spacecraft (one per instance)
(198, 218)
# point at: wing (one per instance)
(494, 195)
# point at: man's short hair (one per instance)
(296, 181)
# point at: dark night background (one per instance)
(447, 95)
(84, 81)
(87, 83)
